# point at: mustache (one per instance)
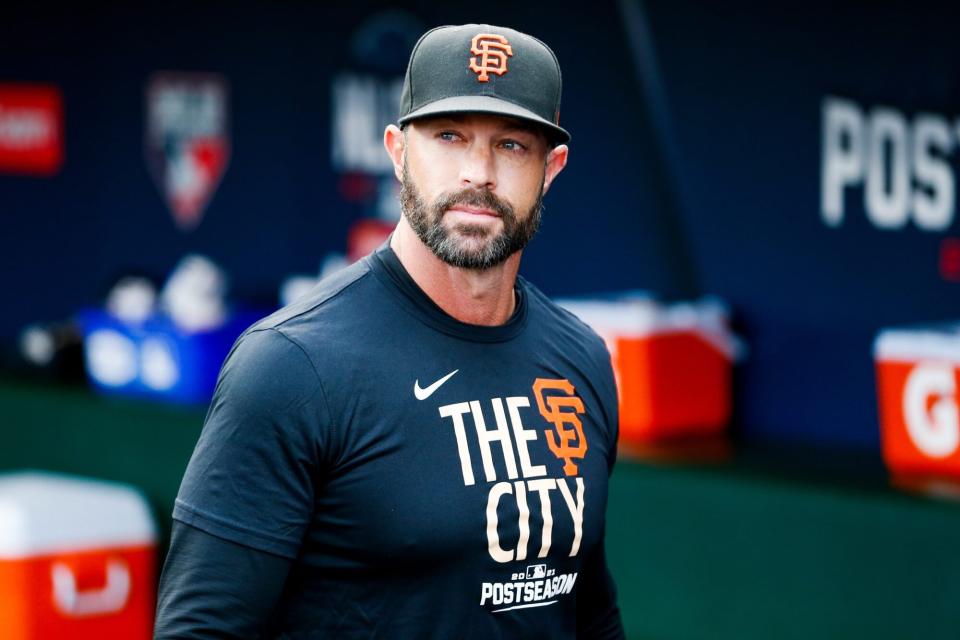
(473, 198)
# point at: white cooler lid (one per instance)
(927, 343)
(42, 513)
(644, 317)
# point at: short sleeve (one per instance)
(251, 478)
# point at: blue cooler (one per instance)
(156, 358)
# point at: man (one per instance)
(421, 448)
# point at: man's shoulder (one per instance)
(554, 317)
(319, 324)
(319, 301)
(580, 345)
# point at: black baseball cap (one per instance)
(480, 68)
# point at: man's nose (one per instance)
(478, 170)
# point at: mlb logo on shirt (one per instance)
(536, 571)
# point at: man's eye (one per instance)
(512, 145)
(448, 136)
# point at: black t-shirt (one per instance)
(424, 477)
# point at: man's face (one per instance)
(472, 186)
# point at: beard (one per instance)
(468, 246)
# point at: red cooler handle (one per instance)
(76, 604)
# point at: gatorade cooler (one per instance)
(76, 560)
(918, 373)
(672, 363)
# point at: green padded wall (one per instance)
(713, 552)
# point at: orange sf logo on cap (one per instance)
(493, 51)
(567, 440)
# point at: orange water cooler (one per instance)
(918, 377)
(77, 560)
(672, 363)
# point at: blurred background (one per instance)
(784, 173)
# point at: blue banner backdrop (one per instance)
(698, 165)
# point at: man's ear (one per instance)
(393, 142)
(556, 161)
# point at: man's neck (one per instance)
(476, 297)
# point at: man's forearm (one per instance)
(214, 588)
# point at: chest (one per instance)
(491, 458)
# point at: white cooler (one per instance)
(77, 559)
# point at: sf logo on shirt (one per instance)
(559, 405)
(569, 442)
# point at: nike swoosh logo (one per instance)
(423, 394)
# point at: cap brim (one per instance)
(485, 104)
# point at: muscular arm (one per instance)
(214, 588)
(247, 495)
